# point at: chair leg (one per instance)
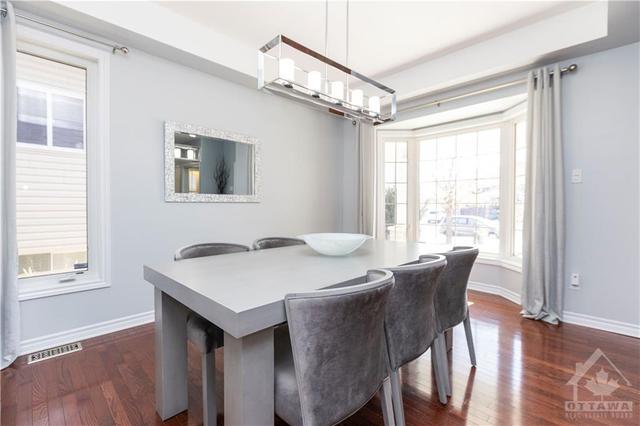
(448, 336)
(442, 344)
(210, 412)
(467, 332)
(396, 396)
(387, 403)
(437, 363)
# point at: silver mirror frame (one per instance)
(170, 195)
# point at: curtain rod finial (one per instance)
(123, 49)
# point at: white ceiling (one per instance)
(384, 35)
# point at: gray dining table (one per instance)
(243, 294)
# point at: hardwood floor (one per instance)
(521, 378)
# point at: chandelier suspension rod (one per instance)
(326, 42)
(347, 47)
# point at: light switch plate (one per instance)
(576, 176)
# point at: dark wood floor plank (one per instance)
(118, 413)
(523, 368)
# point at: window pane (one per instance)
(401, 172)
(467, 146)
(459, 202)
(51, 202)
(401, 217)
(466, 168)
(32, 116)
(446, 169)
(428, 193)
(401, 189)
(390, 152)
(489, 166)
(401, 152)
(68, 121)
(428, 150)
(428, 171)
(489, 141)
(395, 177)
(446, 147)
(389, 172)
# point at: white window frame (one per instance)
(506, 121)
(96, 62)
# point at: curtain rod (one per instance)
(438, 102)
(114, 47)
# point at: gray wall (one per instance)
(301, 181)
(601, 116)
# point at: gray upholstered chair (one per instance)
(205, 335)
(330, 357)
(410, 324)
(451, 296)
(275, 242)
(208, 249)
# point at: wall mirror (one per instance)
(209, 165)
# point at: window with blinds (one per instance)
(51, 167)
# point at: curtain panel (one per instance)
(544, 227)
(10, 315)
(366, 178)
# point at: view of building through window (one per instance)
(51, 167)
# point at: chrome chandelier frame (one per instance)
(323, 98)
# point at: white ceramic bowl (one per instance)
(335, 244)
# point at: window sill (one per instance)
(48, 288)
(512, 264)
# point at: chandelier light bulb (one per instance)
(374, 104)
(337, 90)
(286, 69)
(357, 97)
(314, 81)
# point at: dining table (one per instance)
(243, 294)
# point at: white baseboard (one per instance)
(44, 342)
(626, 328)
(613, 326)
(511, 296)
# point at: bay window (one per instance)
(455, 184)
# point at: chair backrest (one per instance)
(337, 340)
(451, 296)
(208, 249)
(275, 242)
(410, 323)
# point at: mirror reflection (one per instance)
(208, 165)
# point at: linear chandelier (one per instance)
(340, 89)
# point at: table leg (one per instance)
(171, 355)
(248, 379)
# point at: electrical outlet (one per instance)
(575, 281)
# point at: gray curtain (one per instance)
(10, 317)
(366, 178)
(543, 250)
